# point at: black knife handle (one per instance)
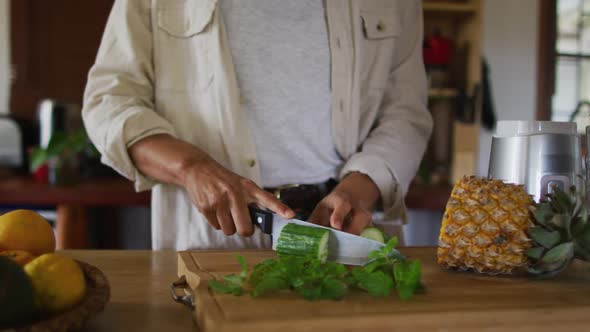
(261, 218)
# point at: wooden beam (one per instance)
(546, 58)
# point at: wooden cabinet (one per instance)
(460, 21)
(54, 44)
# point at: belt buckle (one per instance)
(279, 189)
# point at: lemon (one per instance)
(58, 282)
(21, 257)
(26, 230)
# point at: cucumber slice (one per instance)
(304, 241)
(374, 233)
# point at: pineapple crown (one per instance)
(561, 232)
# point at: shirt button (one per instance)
(251, 162)
(380, 26)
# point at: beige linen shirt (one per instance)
(165, 67)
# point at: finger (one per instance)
(267, 200)
(359, 220)
(341, 210)
(314, 217)
(224, 217)
(241, 217)
(212, 219)
(320, 215)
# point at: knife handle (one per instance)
(261, 218)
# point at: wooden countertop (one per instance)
(140, 299)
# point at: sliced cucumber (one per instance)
(374, 233)
(297, 240)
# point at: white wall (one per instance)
(510, 31)
(4, 55)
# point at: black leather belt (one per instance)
(302, 198)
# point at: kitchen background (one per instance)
(510, 32)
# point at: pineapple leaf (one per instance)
(567, 224)
(583, 238)
(580, 222)
(560, 253)
(557, 220)
(543, 213)
(572, 190)
(563, 200)
(581, 252)
(544, 237)
(577, 227)
(535, 253)
(548, 270)
(584, 216)
(578, 205)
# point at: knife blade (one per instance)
(343, 247)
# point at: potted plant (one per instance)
(62, 156)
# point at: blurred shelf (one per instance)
(450, 8)
(443, 93)
(95, 192)
(432, 197)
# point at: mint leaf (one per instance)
(407, 276)
(233, 279)
(310, 294)
(244, 273)
(333, 288)
(376, 283)
(376, 264)
(261, 269)
(269, 284)
(225, 287)
(390, 245)
(388, 252)
(314, 280)
(334, 269)
(231, 283)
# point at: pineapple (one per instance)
(494, 227)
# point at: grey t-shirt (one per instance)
(282, 59)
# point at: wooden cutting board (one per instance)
(454, 301)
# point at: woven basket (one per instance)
(96, 297)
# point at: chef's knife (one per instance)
(343, 247)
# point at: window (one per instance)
(572, 63)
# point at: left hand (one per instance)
(348, 207)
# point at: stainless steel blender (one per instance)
(540, 155)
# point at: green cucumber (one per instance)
(374, 233)
(304, 241)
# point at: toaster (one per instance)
(11, 144)
(540, 155)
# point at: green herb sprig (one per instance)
(232, 283)
(386, 270)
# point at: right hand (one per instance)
(223, 197)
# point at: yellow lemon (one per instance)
(26, 230)
(58, 281)
(21, 257)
